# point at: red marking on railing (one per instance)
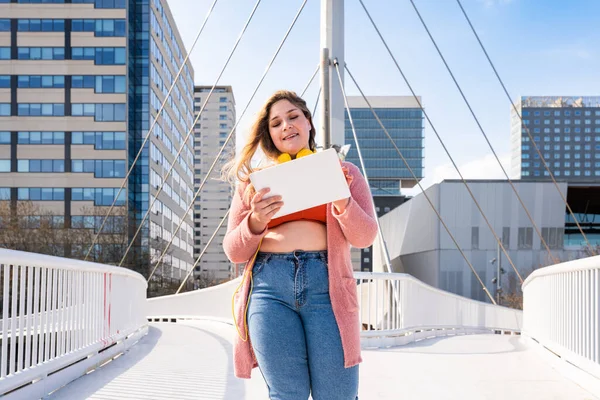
(109, 301)
(104, 342)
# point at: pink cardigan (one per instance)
(356, 226)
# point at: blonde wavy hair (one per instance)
(239, 169)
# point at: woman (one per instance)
(302, 328)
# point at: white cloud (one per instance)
(569, 52)
(485, 167)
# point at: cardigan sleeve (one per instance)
(240, 243)
(358, 219)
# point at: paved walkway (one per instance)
(193, 360)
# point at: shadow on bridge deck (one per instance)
(193, 360)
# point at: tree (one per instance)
(26, 226)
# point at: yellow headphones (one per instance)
(283, 157)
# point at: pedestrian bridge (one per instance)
(79, 330)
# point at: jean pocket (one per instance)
(350, 294)
(259, 264)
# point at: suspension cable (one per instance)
(555, 260)
(203, 251)
(363, 166)
(317, 102)
(162, 106)
(312, 78)
(498, 240)
(269, 65)
(526, 128)
(485, 289)
(183, 145)
(227, 213)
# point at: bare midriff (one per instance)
(295, 235)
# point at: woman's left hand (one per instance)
(340, 205)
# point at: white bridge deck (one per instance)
(193, 360)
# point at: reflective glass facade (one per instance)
(566, 130)
(386, 171)
(81, 114)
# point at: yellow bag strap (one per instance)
(248, 271)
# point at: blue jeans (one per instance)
(293, 331)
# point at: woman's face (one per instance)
(289, 128)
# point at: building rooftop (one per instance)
(384, 102)
(560, 101)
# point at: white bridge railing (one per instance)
(61, 318)
(561, 308)
(396, 309)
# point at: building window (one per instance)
(506, 237)
(100, 27)
(100, 83)
(475, 237)
(43, 109)
(100, 196)
(41, 53)
(101, 140)
(100, 168)
(41, 25)
(41, 166)
(4, 137)
(100, 55)
(5, 81)
(41, 138)
(98, 3)
(49, 194)
(41, 81)
(4, 165)
(525, 238)
(4, 25)
(41, 1)
(4, 52)
(222, 99)
(4, 109)
(100, 111)
(553, 237)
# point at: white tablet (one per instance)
(305, 182)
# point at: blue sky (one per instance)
(539, 48)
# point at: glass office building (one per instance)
(403, 120)
(81, 82)
(566, 131)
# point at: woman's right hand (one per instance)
(263, 210)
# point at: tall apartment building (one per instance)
(387, 173)
(80, 83)
(210, 132)
(567, 132)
